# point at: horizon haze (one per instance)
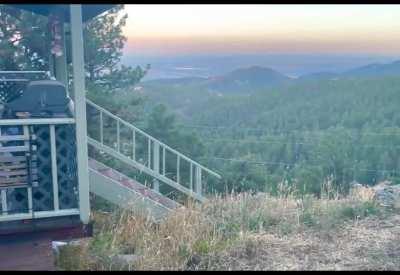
(209, 40)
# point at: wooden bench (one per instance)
(18, 163)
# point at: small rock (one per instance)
(193, 261)
(125, 260)
(387, 195)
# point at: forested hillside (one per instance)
(342, 129)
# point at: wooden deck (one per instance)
(33, 250)
(27, 253)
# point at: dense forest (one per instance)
(304, 134)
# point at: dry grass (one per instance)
(256, 232)
(366, 245)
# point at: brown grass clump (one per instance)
(255, 232)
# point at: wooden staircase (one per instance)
(126, 192)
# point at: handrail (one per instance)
(129, 161)
(36, 121)
(152, 138)
(23, 72)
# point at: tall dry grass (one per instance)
(194, 236)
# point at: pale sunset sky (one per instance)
(213, 29)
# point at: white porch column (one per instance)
(80, 109)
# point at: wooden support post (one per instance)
(80, 109)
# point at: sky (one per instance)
(268, 29)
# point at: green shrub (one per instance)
(201, 247)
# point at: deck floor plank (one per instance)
(27, 254)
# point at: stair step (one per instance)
(132, 184)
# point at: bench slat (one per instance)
(13, 185)
(9, 149)
(15, 159)
(22, 165)
(16, 179)
(4, 138)
(17, 172)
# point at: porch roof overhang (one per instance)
(88, 10)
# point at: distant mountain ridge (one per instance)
(245, 79)
(370, 70)
(240, 80)
(249, 79)
(376, 69)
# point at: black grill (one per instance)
(41, 98)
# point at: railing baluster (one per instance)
(149, 153)
(156, 164)
(163, 160)
(101, 127)
(4, 207)
(54, 171)
(133, 144)
(29, 189)
(178, 162)
(198, 180)
(30, 201)
(191, 176)
(118, 142)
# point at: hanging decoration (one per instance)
(55, 30)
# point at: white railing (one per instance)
(156, 164)
(30, 214)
